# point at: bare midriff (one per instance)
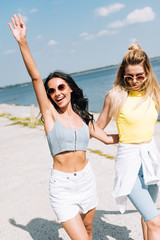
(72, 161)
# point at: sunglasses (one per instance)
(60, 87)
(139, 78)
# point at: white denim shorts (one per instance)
(72, 193)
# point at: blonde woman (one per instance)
(134, 103)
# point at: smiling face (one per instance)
(59, 91)
(135, 76)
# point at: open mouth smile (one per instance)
(59, 99)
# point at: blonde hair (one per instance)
(119, 93)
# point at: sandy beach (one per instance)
(25, 162)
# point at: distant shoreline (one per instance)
(76, 73)
(72, 74)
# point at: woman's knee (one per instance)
(154, 223)
(88, 221)
(89, 226)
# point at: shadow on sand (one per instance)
(103, 230)
(43, 229)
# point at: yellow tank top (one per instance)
(136, 122)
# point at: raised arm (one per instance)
(19, 31)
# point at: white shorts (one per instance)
(71, 193)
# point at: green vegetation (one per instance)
(26, 122)
(101, 154)
(5, 115)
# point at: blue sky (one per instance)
(76, 35)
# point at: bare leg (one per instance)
(75, 228)
(144, 229)
(153, 228)
(88, 220)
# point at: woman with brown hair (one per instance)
(68, 126)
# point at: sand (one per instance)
(25, 211)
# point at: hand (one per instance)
(12, 221)
(18, 29)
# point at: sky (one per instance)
(76, 35)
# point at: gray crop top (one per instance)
(61, 138)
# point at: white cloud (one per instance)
(20, 10)
(39, 37)
(118, 24)
(24, 18)
(106, 32)
(52, 43)
(33, 10)
(141, 15)
(9, 51)
(73, 51)
(105, 11)
(87, 36)
(137, 16)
